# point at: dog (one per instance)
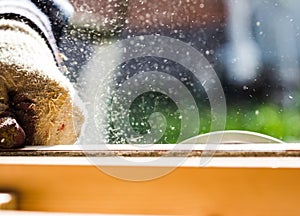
(38, 104)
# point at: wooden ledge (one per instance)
(166, 150)
(187, 155)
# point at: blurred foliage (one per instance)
(269, 119)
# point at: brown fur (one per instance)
(34, 89)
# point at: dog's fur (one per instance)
(34, 89)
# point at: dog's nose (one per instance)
(11, 134)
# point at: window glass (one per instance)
(156, 70)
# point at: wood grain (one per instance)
(185, 191)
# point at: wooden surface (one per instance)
(26, 213)
(185, 191)
(63, 179)
(165, 150)
(230, 186)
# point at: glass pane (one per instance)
(156, 71)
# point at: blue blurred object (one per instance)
(264, 37)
